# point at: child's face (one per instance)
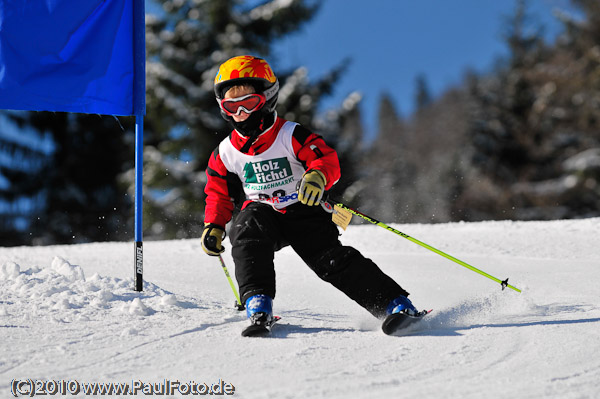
(236, 92)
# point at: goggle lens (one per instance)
(248, 103)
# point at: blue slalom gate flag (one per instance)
(86, 56)
(72, 56)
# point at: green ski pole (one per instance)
(237, 296)
(503, 283)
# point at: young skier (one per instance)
(267, 158)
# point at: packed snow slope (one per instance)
(69, 313)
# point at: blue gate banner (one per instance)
(72, 56)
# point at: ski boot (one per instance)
(400, 314)
(401, 304)
(259, 309)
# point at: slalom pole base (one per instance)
(139, 266)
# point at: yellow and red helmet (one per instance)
(247, 69)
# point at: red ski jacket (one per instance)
(225, 186)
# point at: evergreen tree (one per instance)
(423, 95)
(505, 142)
(23, 159)
(69, 189)
(436, 153)
(84, 201)
(415, 163)
(576, 86)
(343, 130)
(530, 118)
(388, 169)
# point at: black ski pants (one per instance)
(259, 231)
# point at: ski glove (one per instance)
(211, 239)
(311, 187)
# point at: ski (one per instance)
(399, 321)
(260, 330)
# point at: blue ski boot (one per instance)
(401, 304)
(400, 314)
(259, 309)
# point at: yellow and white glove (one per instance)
(312, 187)
(212, 236)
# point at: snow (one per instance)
(69, 313)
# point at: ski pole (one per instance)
(376, 222)
(237, 296)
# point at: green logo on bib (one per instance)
(267, 171)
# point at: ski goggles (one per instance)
(248, 103)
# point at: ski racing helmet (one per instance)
(247, 69)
